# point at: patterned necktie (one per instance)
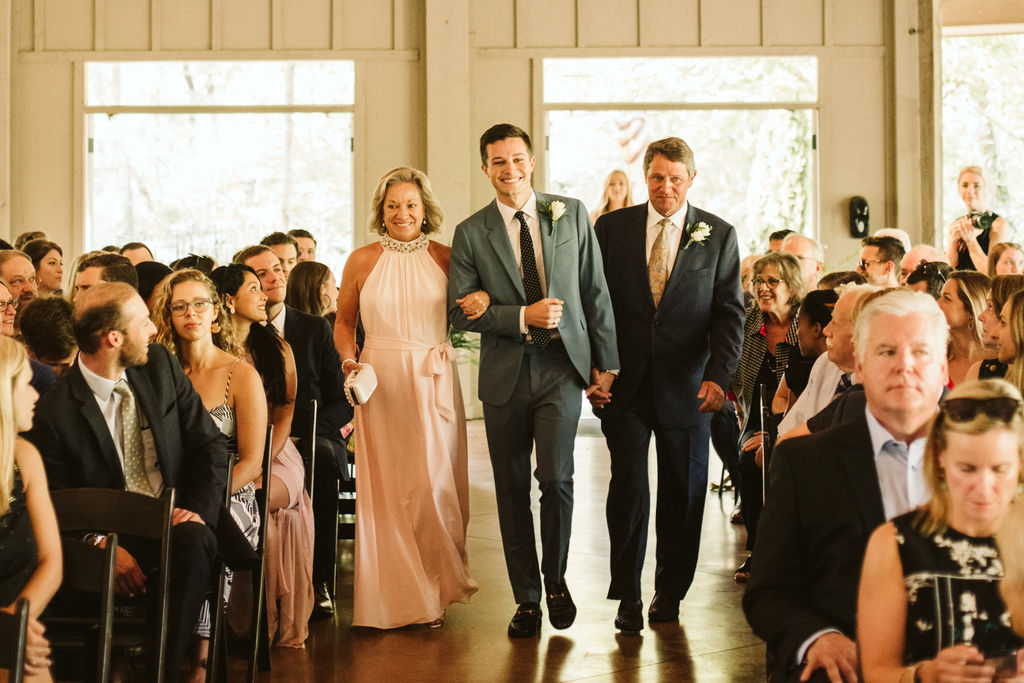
(531, 279)
(657, 265)
(131, 444)
(844, 383)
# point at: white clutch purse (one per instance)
(359, 385)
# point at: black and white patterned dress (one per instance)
(952, 583)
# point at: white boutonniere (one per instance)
(699, 233)
(554, 210)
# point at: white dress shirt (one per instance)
(512, 226)
(673, 232)
(278, 321)
(819, 392)
(110, 407)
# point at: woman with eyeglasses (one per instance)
(929, 607)
(290, 527)
(191, 323)
(770, 341)
(969, 238)
(962, 301)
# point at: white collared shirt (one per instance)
(512, 227)
(278, 321)
(819, 392)
(674, 231)
(109, 404)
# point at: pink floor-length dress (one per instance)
(412, 497)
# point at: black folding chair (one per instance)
(259, 654)
(13, 635)
(88, 570)
(128, 514)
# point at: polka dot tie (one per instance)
(531, 279)
(657, 265)
(131, 443)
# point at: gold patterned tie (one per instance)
(131, 443)
(657, 265)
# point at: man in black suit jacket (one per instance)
(78, 429)
(679, 336)
(319, 377)
(828, 491)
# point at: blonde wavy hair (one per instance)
(223, 331)
(935, 513)
(13, 361)
(433, 216)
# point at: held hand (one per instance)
(598, 393)
(475, 304)
(129, 580)
(179, 515)
(713, 397)
(37, 649)
(544, 314)
(350, 366)
(836, 654)
(956, 663)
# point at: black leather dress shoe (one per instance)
(630, 617)
(323, 605)
(561, 608)
(663, 610)
(526, 621)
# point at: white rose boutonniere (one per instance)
(554, 210)
(698, 233)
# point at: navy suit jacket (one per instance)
(823, 503)
(78, 450)
(319, 375)
(695, 333)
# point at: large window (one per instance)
(982, 91)
(207, 157)
(749, 120)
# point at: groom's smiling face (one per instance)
(510, 168)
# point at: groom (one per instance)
(546, 336)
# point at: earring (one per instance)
(942, 486)
(231, 309)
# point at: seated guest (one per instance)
(1011, 339)
(776, 238)
(104, 267)
(1003, 287)
(136, 252)
(929, 277)
(47, 332)
(829, 491)
(204, 264)
(815, 315)
(880, 259)
(1010, 540)
(89, 432)
(917, 255)
(30, 553)
(306, 242)
(186, 310)
(929, 606)
(811, 255)
(48, 260)
(69, 291)
(769, 342)
(1005, 258)
(24, 238)
(290, 526)
(42, 376)
(150, 273)
(285, 248)
(320, 377)
(962, 300)
(838, 278)
(312, 289)
(17, 271)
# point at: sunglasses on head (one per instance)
(966, 409)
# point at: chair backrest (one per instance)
(91, 569)
(311, 464)
(13, 630)
(123, 512)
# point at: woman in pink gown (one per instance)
(412, 501)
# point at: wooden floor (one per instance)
(711, 642)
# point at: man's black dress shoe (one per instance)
(663, 609)
(630, 616)
(561, 608)
(526, 621)
(323, 605)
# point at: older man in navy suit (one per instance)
(674, 275)
(547, 334)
